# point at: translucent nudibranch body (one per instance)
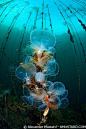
(42, 39)
(39, 77)
(38, 91)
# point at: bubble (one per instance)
(47, 85)
(30, 69)
(51, 65)
(28, 59)
(52, 68)
(64, 103)
(28, 100)
(64, 95)
(25, 70)
(54, 102)
(57, 88)
(29, 50)
(39, 77)
(42, 107)
(42, 39)
(37, 103)
(26, 91)
(20, 72)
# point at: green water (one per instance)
(66, 20)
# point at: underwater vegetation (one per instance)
(19, 114)
(38, 91)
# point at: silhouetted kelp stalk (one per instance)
(10, 28)
(75, 36)
(42, 12)
(27, 2)
(30, 32)
(7, 14)
(25, 26)
(3, 46)
(50, 19)
(4, 9)
(27, 36)
(45, 21)
(84, 4)
(4, 94)
(1, 5)
(9, 31)
(71, 38)
(12, 81)
(80, 21)
(9, 58)
(11, 10)
(69, 32)
(84, 54)
(80, 5)
(78, 12)
(5, 98)
(34, 26)
(29, 42)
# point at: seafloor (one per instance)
(14, 114)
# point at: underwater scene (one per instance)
(42, 64)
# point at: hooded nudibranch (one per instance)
(38, 91)
(39, 77)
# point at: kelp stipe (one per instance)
(39, 92)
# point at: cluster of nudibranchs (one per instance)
(34, 71)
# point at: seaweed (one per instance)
(1, 5)
(83, 50)
(78, 12)
(3, 46)
(7, 14)
(4, 9)
(34, 27)
(25, 26)
(9, 31)
(21, 114)
(50, 19)
(42, 12)
(69, 32)
(80, 5)
(45, 21)
(76, 58)
(82, 24)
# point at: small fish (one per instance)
(21, 63)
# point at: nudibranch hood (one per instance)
(42, 39)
